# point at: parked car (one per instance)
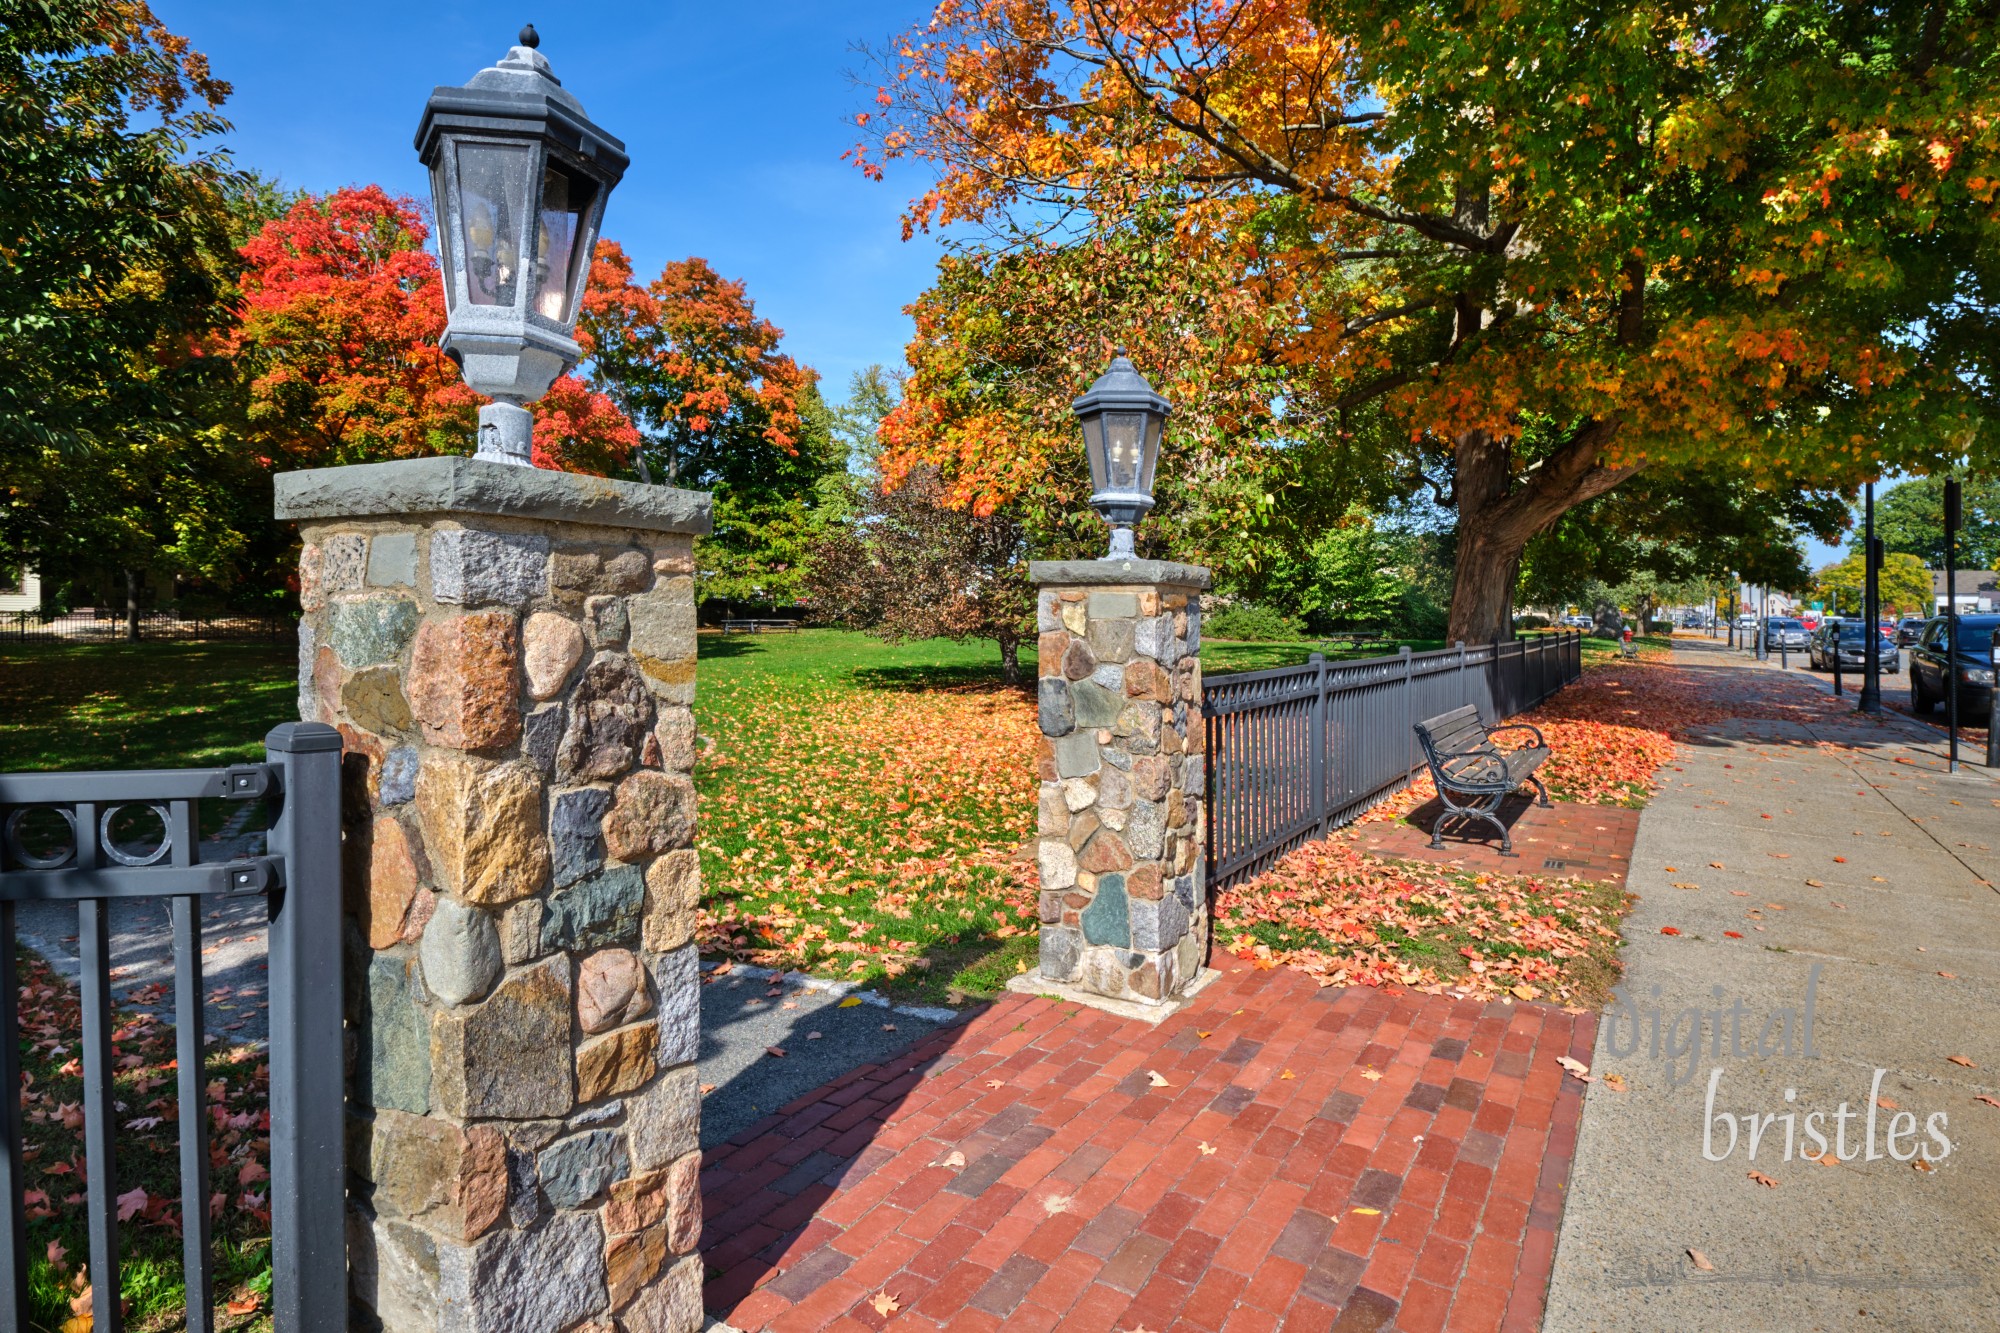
(1748, 620)
(1909, 629)
(1849, 641)
(1785, 632)
(1968, 666)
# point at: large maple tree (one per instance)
(1517, 252)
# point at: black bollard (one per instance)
(1836, 664)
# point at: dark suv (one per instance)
(1969, 667)
(1908, 630)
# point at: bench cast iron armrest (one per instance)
(1495, 765)
(1520, 726)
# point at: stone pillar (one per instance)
(509, 654)
(1124, 904)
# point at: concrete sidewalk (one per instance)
(1832, 868)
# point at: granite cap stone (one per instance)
(457, 485)
(1098, 573)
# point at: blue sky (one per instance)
(735, 116)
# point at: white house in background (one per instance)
(1978, 590)
(20, 590)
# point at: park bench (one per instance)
(1465, 762)
(758, 626)
(1352, 640)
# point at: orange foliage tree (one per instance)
(342, 311)
(1519, 252)
(688, 357)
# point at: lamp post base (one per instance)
(507, 434)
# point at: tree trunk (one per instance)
(1010, 659)
(1498, 513)
(132, 604)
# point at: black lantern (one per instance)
(1122, 419)
(519, 177)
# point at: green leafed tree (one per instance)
(1909, 517)
(1903, 586)
(1667, 530)
(911, 566)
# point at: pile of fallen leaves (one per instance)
(866, 833)
(1348, 918)
(147, 1184)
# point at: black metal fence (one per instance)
(1296, 751)
(59, 842)
(105, 625)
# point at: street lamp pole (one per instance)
(1871, 608)
(1952, 510)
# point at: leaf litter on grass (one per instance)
(146, 1163)
(863, 832)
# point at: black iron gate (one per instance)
(300, 881)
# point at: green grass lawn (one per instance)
(143, 705)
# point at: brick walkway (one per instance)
(1588, 841)
(1372, 1161)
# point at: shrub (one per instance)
(1422, 617)
(1660, 627)
(1247, 620)
(1531, 622)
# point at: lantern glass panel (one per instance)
(1124, 446)
(446, 235)
(1093, 447)
(493, 188)
(1154, 423)
(566, 200)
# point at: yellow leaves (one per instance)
(884, 1303)
(1157, 1079)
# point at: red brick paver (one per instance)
(1591, 842)
(1316, 1159)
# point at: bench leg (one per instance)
(1544, 800)
(1487, 810)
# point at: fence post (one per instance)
(308, 1068)
(1462, 699)
(1409, 706)
(1316, 738)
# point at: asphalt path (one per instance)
(823, 1029)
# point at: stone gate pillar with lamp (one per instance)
(1124, 905)
(509, 655)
